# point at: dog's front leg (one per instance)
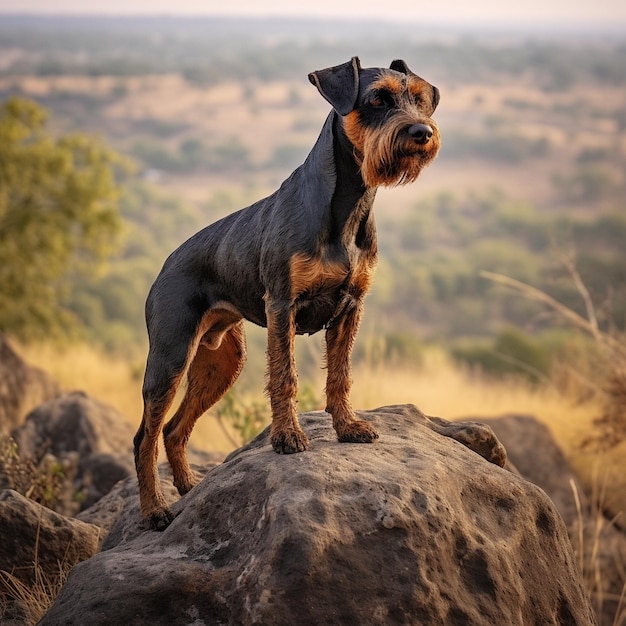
(340, 338)
(282, 381)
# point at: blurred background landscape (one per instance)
(175, 122)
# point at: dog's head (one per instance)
(386, 115)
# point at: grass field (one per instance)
(437, 386)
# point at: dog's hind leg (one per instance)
(215, 367)
(339, 342)
(164, 370)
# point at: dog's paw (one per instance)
(186, 483)
(290, 442)
(358, 431)
(160, 520)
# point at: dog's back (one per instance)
(241, 257)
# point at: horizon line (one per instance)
(515, 23)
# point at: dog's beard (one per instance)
(390, 159)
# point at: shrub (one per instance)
(42, 482)
(511, 353)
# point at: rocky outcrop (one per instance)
(533, 451)
(38, 547)
(117, 514)
(416, 528)
(22, 387)
(599, 546)
(90, 440)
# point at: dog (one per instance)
(297, 262)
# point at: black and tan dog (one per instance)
(296, 262)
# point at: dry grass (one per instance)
(35, 599)
(437, 386)
(115, 380)
(32, 599)
(599, 559)
(441, 387)
(41, 482)
(597, 449)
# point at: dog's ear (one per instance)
(435, 98)
(400, 66)
(339, 85)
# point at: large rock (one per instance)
(413, 529)
(532, 450)
(598, 544)
(22, 387)
(117, 513)
(91, 440)
(37, 548)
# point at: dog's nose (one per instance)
(420, 132)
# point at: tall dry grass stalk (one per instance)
(607, 373)
(33, 598)
(588, 324)
(602, 568)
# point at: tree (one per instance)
(58, 216)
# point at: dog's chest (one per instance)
(323, 288)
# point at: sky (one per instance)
(568, 11)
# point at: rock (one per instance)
(412, 529)
(599, 546)
(38, 547)
(117, 513)
(22, 387)
(535, 454)
(74, 422)
(90, 440)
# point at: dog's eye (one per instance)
(381, 99)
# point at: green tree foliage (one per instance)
(510, 352)
(431, 259)
(58, 216)
(110, 305)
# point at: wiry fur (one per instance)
(299, 261)
(386, 154)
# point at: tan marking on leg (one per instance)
(152, 502)
(153, 506)
(339, 343)
(211, 374)
(282, 382)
